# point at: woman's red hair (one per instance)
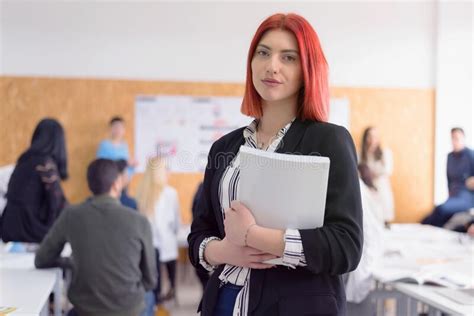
(314, 96)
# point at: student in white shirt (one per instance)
(159, 203)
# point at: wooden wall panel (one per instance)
(405, 120)
(84, 106)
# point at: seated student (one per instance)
(359, 283)
(34, 194)
(113, 258)
(125, 199)
(462, 222)
(460, 172)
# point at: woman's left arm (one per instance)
(334, 248)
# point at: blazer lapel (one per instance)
(293, 137)
(223, 163)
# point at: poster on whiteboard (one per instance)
(182, 129)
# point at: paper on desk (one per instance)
(5, 310)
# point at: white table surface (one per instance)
(26, 289)
(429, 296)
(413, 248)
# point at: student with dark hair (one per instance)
(34, 195)
(125, 199)
(114, 260)
(115, 147)
(460, 173)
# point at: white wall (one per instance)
(454, 70)
(372, 43)
(413, 44)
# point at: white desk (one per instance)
(26, 288)
(429, 296)
(416, 247)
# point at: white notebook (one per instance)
(283, 191)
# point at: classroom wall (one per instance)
(454, 81)
(84, 107)
(372, 44)
(367, 43)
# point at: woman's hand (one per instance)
(238, 220)
(224, 252)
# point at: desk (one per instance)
(429, 296)
(26, 288)
(411, 248)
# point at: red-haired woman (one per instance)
(287, 94)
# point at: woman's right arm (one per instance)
(204, 225)
(207, 248)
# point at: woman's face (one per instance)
(117, 130)
(276, 66)
(372, 139)
(457, 140)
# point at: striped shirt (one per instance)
(228, 191)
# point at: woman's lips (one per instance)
(271, 82)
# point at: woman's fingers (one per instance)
(264, 257)
(257, 265)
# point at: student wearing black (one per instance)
(287, 93)
(34, 195)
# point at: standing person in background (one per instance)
(115, 148)
(125, 199)
(360, 282)
(460, 173)
(159, 203)
(380, 162)
(34, 195)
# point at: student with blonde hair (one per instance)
(159, 203)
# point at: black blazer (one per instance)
(330, 251)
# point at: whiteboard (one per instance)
(181, 129)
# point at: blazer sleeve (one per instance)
(336, 247)
(204, 225)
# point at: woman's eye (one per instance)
(289, 58)
(262, 53)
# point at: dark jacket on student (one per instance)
(460, 167)
(127, 200)
(113, 259)
(330, 251)
(34, 199)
